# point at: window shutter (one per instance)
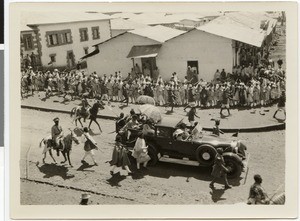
(80, 35)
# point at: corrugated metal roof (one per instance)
(227, 27)
(122, 24)
(154, 19)
(48, 17)
(144, 51)
(158, 33)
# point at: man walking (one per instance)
(225, 100)
(89, 146)
(219, 169)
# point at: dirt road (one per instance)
(165, 183)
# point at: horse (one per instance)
(67, 142)
(91, 113)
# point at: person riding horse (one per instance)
(84, 109)
(57, 135)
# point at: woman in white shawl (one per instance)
(140, 152)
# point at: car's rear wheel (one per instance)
(153, 156)
(235, 168)
(205, 155)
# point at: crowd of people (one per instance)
(246, 86)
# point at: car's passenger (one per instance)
(181, 133)
(148, 128)
(132, 124)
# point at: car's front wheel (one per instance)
(205, 155)
(235, 168)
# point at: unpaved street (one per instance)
(165, 183)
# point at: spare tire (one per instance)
(205, 155)
(235, 168)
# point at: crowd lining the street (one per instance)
(248, 85)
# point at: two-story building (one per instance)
(62, 39)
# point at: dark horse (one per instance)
(67, 142)
(91, 114)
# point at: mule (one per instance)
(67, 142)
(91, 114)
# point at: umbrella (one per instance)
(143, 99)
(151, 112)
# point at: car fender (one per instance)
(233, 155)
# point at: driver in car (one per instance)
(181, 133)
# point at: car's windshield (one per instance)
(180, 122)
(163, 132)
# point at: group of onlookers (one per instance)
(245, 86)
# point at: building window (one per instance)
(68, 37)
(28, 42)
(52, 58)
(53, 40)
(84, 34)
(57, 38)
(95, 31)
(86, 50)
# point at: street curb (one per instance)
(63, 111)
(279, 126)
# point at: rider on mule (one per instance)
(84, 109)
(57, 135)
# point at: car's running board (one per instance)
(184, 161)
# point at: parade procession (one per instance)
(153, 108)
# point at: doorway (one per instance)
(148, 65)
(70, 59)
(193, 71)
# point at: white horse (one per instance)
(65, 149)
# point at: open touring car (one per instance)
(198, 151)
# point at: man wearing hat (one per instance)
(84, 199)
(257, 194)
(219, 169)
(57, 134)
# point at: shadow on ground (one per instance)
(85, 166)
(167, 170)
(51, 170)
(116, 179)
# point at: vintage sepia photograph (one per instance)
(147, 107)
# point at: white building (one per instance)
(63, 38)
(29, 47)
(139, 46)
(212, 46)
(205, 49)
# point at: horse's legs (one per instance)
(90, 123)
(98, 125)
(75, 122)
(50, 152)
(80, 122)
(44, 157)
(64, 154)
(68, 155)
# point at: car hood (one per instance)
(215, 141)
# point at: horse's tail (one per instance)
(72, 111)
(40, 145)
